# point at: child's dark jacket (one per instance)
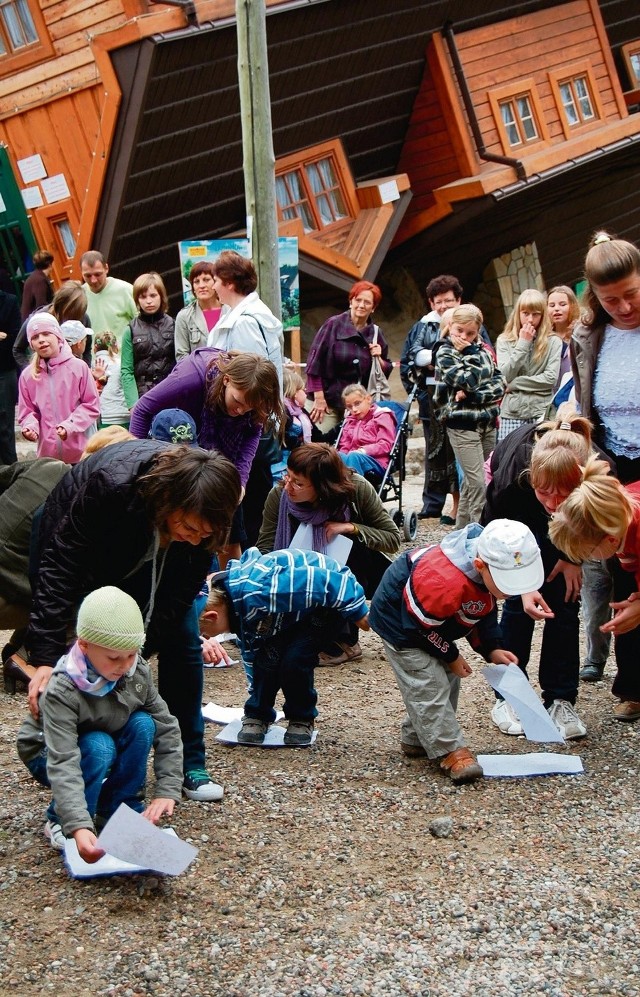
(430, 597)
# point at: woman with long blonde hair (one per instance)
(529, 360)
(601, 519)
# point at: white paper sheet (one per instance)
(131, 837)
(226, 714)
(537, 763)
(514, 686)
(339, 548)
(106, 866)
(274, 738)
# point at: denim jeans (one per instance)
(430, 693)
(114, 766)
(362, 463)
(287, 661)
(560, 653)
(596, 594)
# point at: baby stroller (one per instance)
(389, 487)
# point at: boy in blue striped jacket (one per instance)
(281, 605)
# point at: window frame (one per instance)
(15, 59)
(510, 94)
(569, 74)
(629, 50)
(298, 161)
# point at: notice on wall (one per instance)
(55, 188)
(389, 191)
(32, 197)
(32, 168)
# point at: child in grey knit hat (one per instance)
(99, 717)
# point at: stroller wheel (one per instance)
(398, 518)
(410, 525)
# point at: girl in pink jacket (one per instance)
(57, 397)
(368, 432)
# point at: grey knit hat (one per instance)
(111, 618)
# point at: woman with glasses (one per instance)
(320, 491)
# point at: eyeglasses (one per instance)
(297, 485)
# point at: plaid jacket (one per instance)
(339, 356)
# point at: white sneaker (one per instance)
(506, 718)
(53, 832)
(566, 720)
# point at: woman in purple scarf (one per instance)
(319, 490)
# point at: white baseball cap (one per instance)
(510, 551)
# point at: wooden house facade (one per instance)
(435, 136)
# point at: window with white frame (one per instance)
(310, 186)
(17, 29)
(576, 100)
(518, 119)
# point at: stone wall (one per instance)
(503, 281)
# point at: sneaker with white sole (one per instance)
(53, 832)
(566, 720)
(199, 786)
(506, 719)
(299, 733)
(252, 730)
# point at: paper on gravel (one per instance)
(132, 838)
(513, 685)
(536, 763)
(227, 714)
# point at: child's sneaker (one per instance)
(299, 733)
(253, 731)
(566, 720)
(506, 718)
(461, 765)
(199, 786)
(53, 832)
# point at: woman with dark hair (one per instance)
(321, 491)
(37, 291)
(145, 518)
(69, 305)
(342, 352)
(194, 321)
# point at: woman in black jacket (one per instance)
(145, 518)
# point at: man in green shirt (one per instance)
(110, 303)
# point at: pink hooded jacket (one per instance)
(374, 434)
(64, 394)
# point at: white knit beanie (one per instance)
(111, 618)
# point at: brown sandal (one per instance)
(461, 765)
(347, 653)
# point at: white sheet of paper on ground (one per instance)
(227, 714)
(339, 548)
(274, 738)
(514, 686)
(108, 865)
(131, 837)
(221, 664)
(537, 763)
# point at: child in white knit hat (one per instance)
(99, 717)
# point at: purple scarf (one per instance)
(317, 516)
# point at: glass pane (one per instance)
(325, 166)
(526, 118)
(13, 27)
(337, 203)
(584, 99)
(323, 206)
(66, 236)
(282, 195)
(509, 122)
(28, 27)
(314, 178)
(3, 47)
(635, 65)
(569, 104)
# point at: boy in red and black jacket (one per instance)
(429, 598)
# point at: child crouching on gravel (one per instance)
(429, 597)
(280, 605)
(99, 716)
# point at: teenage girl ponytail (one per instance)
(597, 508)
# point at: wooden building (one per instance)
(421, 137)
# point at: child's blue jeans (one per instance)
(286, 661)
(114, 766)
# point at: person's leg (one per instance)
(362, 463)
(432, 498)
(97, 755)
(180, 682)
(8, 402)
(468, 446)
(517, 630)
(596, 594)
(259, 485)
(126, 780)
(298, 656)
(266, 682)
(430, 694)
(626, 685)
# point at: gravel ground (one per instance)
(318, 873)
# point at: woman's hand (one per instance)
(572, 578)
(320, 407)
(159, 808)
(375, 349)
(37, 685)
(213, 652)
(535, 606)
(363, 623)
(502, 657)
(30, 434)
(626, 616)
(335, 529)
(87, 844)
(459, 343)
(527, 332)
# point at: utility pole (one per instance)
(257, 148)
